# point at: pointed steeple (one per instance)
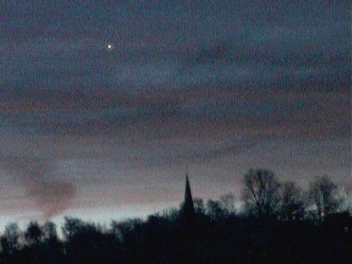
(188, 208)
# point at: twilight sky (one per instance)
(216, 86)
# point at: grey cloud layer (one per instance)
(217, 76)
(154, 46)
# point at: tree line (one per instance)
(265, 196)
(279, 222)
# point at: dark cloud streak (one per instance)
(51, 196)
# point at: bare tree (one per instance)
(49, 230)
(199, 207)
(171, 214)
(345, 196)
(10, 239)
(292, 205)
(261, 193)
(227, 203)
(34, 233)
(71, 227)
(323, 196)
(214, 209)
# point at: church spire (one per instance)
(188, 208)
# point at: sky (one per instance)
(213, 88)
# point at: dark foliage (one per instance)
(219, 238)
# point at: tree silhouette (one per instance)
(71, 227)
(345, 198)
(34, 233)
(49, 230)
(292, 205)
(227, 203)
(261, 193)
(10, 240)
(199, 207)
(214, 209)
(88, 243)
(323, 195)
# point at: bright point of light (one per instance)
(109, 46)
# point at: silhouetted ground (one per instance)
(226, 238)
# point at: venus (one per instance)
(109, 46)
